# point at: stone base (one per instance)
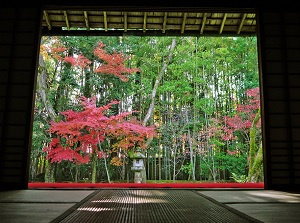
(137, 177)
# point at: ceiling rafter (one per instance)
(105, 21)
(203, 23)
(145, 22)
(125, 21)
(241, 23)
(183, 22)
(47, 20)
(165, 22)
(67, 20)
(86, 19)
(223, 23)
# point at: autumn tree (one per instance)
(72, 65)
(81, 134)
(247, 123)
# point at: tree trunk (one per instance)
(153, 95)
(94, 167)
(254, 156)
(192, 163)
(105, 162)
(159, 164)
(256, 173)
(41, 90)
(49, 172)
(156, 84)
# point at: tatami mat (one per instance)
(151, 206)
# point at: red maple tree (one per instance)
(109, 64)
(112, 64)
(244, 117)
(81, 133)
(78, 61)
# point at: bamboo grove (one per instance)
(200, 94)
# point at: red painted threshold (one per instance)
(144, 185)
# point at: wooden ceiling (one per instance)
(124, 22)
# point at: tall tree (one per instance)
(153, 94)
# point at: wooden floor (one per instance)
(53, 205)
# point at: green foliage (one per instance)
(206, 105)
(187, 168)
(205, 80)
(239, 178)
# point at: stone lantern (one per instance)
(137, 165)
